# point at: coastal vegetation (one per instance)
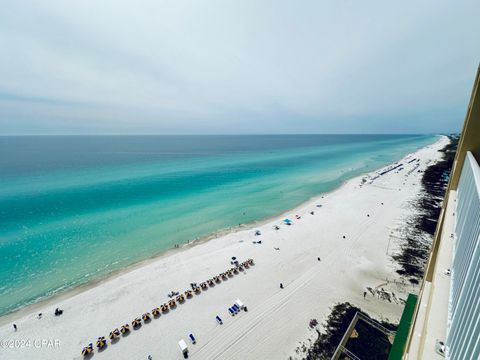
(333, 252)
(419, 229)
(417, 233)
(366, 341)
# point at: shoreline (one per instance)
(363, 211)
(185, 246)
(414, 236)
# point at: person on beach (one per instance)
(319, 259)
(364, 294)
(15, 327)
(281, 286)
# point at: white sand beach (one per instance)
(276, 322)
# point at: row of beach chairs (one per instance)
(172, 303)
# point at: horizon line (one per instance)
(218, 134)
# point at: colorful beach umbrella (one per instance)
(125, 329)
(87, 350)
(101, 342)
(156, 311)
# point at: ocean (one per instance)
(75, 208)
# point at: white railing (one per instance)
(463, 332)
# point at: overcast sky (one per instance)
(223, 66)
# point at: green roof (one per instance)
(398, 347)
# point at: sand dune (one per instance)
(277, 319)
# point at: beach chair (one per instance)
(192, 338)
(231, 311)
(219, 320)
(235, 308)
(183, 347)
(239, 303)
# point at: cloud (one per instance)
(236, 66)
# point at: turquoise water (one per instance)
(73, 208)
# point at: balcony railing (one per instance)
(463, 332)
